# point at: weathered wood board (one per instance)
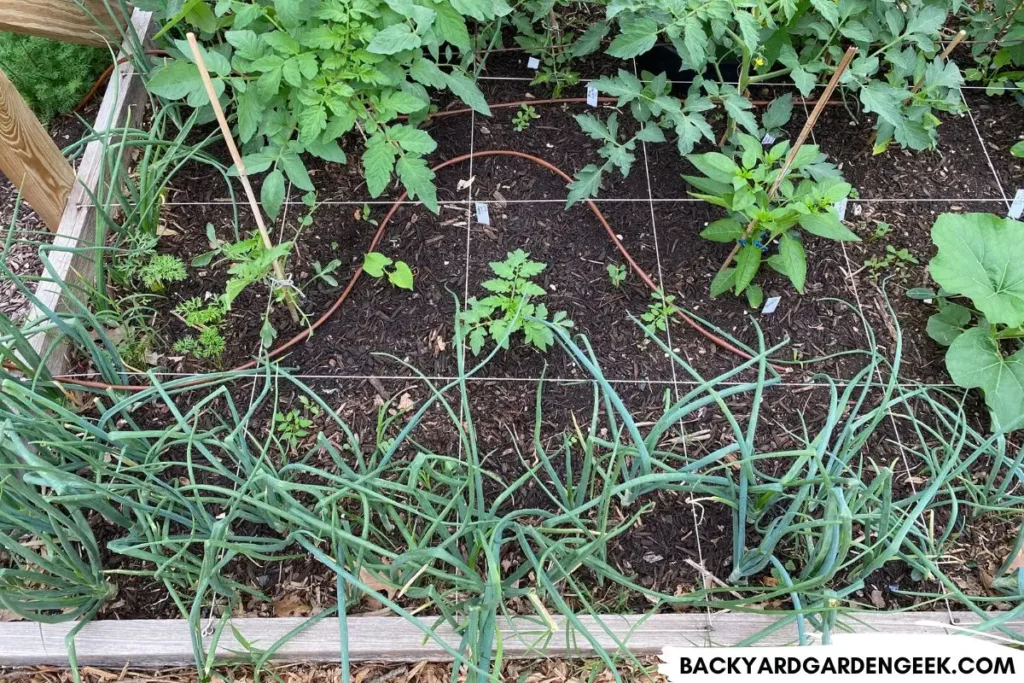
(62, 20)
(154, 644)
(30, 159)
(123, 103)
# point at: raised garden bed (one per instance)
(383, 387)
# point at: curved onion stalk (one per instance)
(440, 533)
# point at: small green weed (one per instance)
(398, 273)
(617, 274)
(324, 272)
(893, 258)
(525, 115)
(882, 230)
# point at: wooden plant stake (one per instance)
(811, 120)
(944, 56)
(237, 158)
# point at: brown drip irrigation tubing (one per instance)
(106, 74)
(304, 334)
(578, 100)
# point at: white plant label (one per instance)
(1017, 208)
(533, 63)
(841, 209)
(771, 305)
(483, 215)
(591, 96)
(768, 140)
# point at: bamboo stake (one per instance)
(804, 133)
(945, 55)
(237, 158)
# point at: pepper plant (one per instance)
(979, 268)
(300, 74)
(766, 214)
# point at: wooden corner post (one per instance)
(30, 158)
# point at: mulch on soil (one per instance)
(449, 253)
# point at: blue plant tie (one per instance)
(759, 243)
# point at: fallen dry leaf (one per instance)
(291, 605)
(405, 402)
(376, 583)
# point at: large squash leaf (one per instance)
(974, 361)
(981, 256)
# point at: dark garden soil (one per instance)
(958, 169)
(1001, 127)
(449, 254)
(911, 223)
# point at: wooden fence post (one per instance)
(62, 20)
(30, 159)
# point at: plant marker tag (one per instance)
(533, 63)
(771, 305)
(768, 140)
(483, 215)
(841, 209)
(591, 96)
(1017, 208)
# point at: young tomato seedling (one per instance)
(659, 311)
(509, 305)
(295, 425)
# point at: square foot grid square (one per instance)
(378, 318)
(186, 236)
(577, 251)
(957, 169)
(822, 323)
(999, 124)
(882, 279)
